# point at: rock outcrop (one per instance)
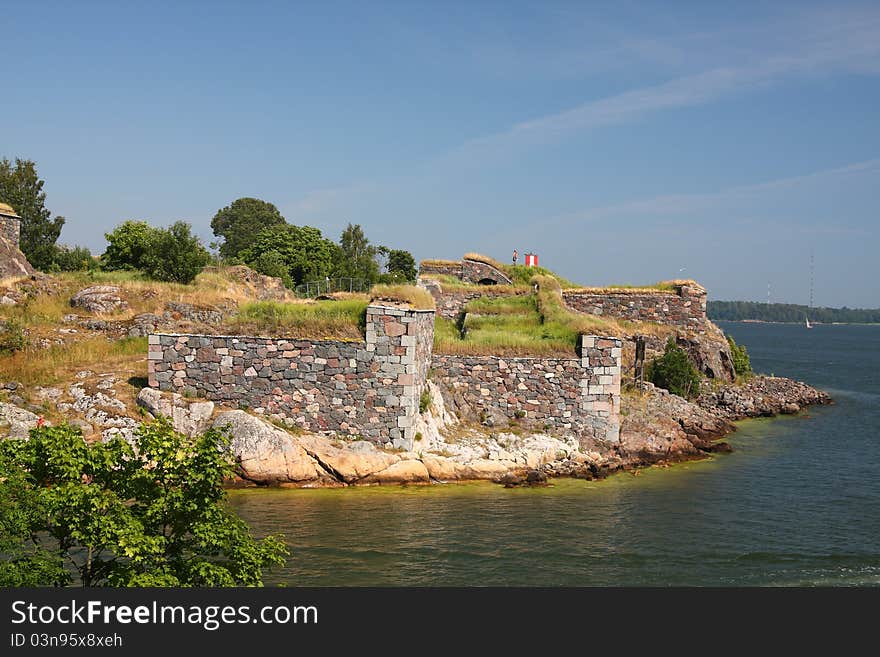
(99, 299)
(761, 396)
(659, 426)
(268, 455)
(187, 417)
(13, 263)
(17, 421)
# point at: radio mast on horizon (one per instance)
(812, 270)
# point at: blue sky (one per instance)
(623, 143)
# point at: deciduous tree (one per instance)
(22, 188)
(148, 514)
(240, 221)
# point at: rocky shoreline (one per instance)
(657, 428)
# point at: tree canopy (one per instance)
(116, 514)
(175, 254)
(403, 263)
(301, 251)
(788, 312)
(22, 188)
(127, 245)
(357, 257)
(240, 221)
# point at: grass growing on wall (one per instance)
(538, 324)
(410, 295)
(317, 320)
(520, 274)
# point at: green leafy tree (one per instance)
(127, 245)
(272, 263)
(674, 371)
(240, 221)
(175, 254)
(22, 188)
(403, 263)
(73, 258)
(356, 257)
(742, 364)
(306, 254)
(148, 514)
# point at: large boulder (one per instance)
(99, 299)
(187, 417)
(17, 420)
(348, 464)
(267, 454)
(410, 471)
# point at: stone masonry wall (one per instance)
(581, 395)
(440, 268)
(686, 307)
(474, 272)
(10, 228)
(368, 389)
(450, 304)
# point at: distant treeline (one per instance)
(736, 311)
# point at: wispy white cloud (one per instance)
(678, 205)
(827, 43)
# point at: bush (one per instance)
(674, 371)
(742, 364)
(149, 514)
(73, 258)
(12, 337)
(272, 263)
(175, 255)
(128, 245)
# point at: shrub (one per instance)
(742, 364)
(674, 371)
(175, 255)
(272, 263)
(12, 337)
(149, 514)
(424, 400)
(127, 245)
(73, 258)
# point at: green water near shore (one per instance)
(795, 504)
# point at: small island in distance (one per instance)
(740, 311)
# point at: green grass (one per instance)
(520, 274)
(504, 326)
(318, 320)
(538, 324)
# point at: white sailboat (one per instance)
(807, 320)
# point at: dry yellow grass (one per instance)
(413, 296)
(436, 262)
(663, 287)
(38, 366)
(487, 260)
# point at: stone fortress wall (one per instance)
(368, 389)
(372, 388)
(685, 307)
(10, 226)
(577, 395)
